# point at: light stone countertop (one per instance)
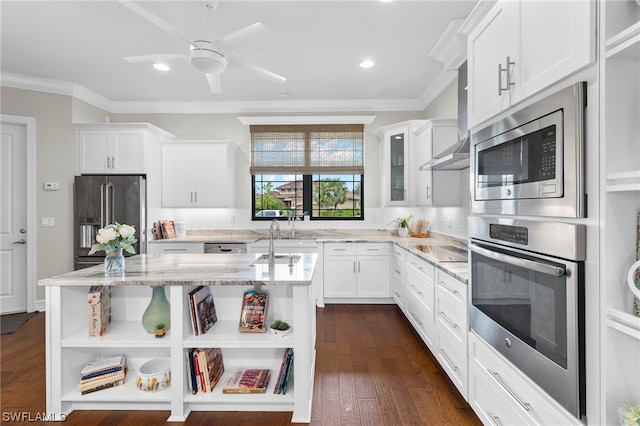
(193, 269)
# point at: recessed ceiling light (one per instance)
(161, 67)
(367, 63)
(385, 1)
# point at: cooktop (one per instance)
(443, 253)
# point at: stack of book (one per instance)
(203, 310)
(286, 367)
(102, 374)
(204, 369)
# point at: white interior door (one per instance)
(13, 218)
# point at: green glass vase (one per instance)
(158, 311)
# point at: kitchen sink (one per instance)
(279, 259)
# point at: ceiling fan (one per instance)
(210, 57)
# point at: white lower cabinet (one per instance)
(175, 248)
(69, 348)
(492, 378)
(356, 271)
(451, 328)
(398, 290)
(420, 293)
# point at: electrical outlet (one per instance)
(48, 221)
(51, 186)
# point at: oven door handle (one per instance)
(556, 271)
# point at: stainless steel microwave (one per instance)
(532, 161)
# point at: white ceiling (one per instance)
(316, 45)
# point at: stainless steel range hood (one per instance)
(455, 157)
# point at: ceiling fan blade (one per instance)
(214, 83)
(231, 42)
(245, 66)
(155, 19)
(153, 58)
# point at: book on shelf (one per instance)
(287, 360)
(253, 314)
(205, 368)
(103, 366)
(104, 386)
(253, 380)
(87, 385)
(98, 310)
(203, 310)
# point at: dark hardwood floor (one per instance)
(371, 369)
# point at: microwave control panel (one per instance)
(509, 233)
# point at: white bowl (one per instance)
(154, 375)
(280, 333)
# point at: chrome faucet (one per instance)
(275, 227)
(292, 221)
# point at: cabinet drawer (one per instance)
(398, 262)
(176, 248)
(452, 319)
(398, 292)
(372, 249)
(420, 265)
(451, 286)
(339, 249)
(420, 287)
(488, 402)
(453, 359)
(422, 318)
(530, 400)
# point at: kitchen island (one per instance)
(69, 346)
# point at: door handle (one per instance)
(22, 241)
(556, 271)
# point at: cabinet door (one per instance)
(424, 152)
(177, 176)
(211, 176)
(373, 276)
(340, 276)
(126, 152)
(397, 171)
(93, 152)
(486, 53)
(554, 39)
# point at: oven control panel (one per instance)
(510, 233)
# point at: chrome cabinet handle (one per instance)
(494, 419)
(446, 318)
(358, 266)
(191, 194)
(446, 358)
(496, 376)
(508, 70)
(354, 266)
(21, 241)
(416, 289)
(108, 162)
(500, 71)
(113, 162)
(415, 318)
(451, 290)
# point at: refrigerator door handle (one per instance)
(102, 190)
(109, 202)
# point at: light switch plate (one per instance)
(51, 186)
(48, 221)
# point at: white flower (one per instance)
(126, 230)
(106, 234)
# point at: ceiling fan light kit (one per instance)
(204, 56)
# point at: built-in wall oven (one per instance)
(531, 162)
(526, 299)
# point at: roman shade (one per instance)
(307, 149)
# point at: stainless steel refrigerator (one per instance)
(101, 200)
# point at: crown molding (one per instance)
(77, 91)
(308, 119)
(58, 87)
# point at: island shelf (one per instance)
(69, 346)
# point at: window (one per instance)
(314, 169)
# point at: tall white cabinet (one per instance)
(521, 47)
(620, 203)
(198, 174)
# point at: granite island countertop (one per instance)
(193, 269)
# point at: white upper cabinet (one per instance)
(114, 148)
(198, 174)
(436, 187)
(521, 47)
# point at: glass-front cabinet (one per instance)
(397, 178)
